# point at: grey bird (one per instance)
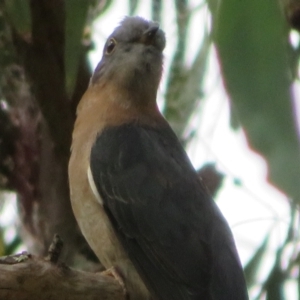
(135, 194)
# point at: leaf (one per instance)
(185, 88)
(76, 17)
(156, 10)
(133, 4)
(2, 243)
(12, 247)
(252, 266)
(79, 14)
(251, 41)
(274, 286)
(18, 12)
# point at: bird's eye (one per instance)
(110, 46)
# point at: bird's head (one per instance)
(132, 57)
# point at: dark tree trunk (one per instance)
(36, 118)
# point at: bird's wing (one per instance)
(171, 229)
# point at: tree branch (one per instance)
(28, 277)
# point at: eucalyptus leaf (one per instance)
(76, 17)
(254, 263)
(252, 43)
(274, 286)
(18, 12)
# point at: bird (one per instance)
(135, 194)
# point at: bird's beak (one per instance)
(149, 34)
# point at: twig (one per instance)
(55, 249)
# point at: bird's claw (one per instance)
(116, 274)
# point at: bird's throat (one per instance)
(113, 106)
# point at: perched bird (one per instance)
(135, 194)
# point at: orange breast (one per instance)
(94, 114)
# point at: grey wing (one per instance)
(171, 229)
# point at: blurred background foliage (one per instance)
(45, 68)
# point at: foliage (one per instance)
(254, 51)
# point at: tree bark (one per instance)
(37, 117)
(28, 277)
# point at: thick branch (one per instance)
(42, 56)
(27, 277)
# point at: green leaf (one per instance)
(2, 243)
(79, 15)
(252, 266)
(133, 4)
(251, 41)
(185, 90)
(18, 12)
(156, 10)
(274, 286)
(76, 17)
(13, 245)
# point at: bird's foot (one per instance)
(117, 275)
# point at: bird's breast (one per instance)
(88, 210)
